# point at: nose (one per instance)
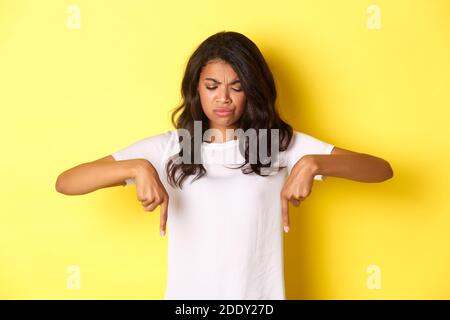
(224, 95)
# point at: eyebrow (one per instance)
(232, 82)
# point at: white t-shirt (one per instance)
(225, 232)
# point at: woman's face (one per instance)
(221, 95)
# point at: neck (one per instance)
(222, 137)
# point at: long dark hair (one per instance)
(259, 112)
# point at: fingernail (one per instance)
(162, 233)
(286, 229)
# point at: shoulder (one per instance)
(162, 137)
(151, 145)
(300, 137)
(305, 143)
(159, 139)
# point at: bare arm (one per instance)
(340, 163)
(102, 173)
(352, 165)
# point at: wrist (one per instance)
(309, 164)
(315, 165)
(139, 165)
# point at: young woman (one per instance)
(226, 214)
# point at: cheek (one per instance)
(205, 97)
(241, 102)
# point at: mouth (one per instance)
(223, 112)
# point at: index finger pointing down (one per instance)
(163, 217)
(285, 214)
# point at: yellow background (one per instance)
(69, 96)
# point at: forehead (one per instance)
(219, 69)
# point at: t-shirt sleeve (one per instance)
(153, 149)
(303, 144)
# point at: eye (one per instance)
(212, 88)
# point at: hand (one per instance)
(151, 192)
(298, 186)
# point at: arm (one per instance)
(101, 173)
(340, 163)
(350, 165)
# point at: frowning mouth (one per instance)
(223, 112)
